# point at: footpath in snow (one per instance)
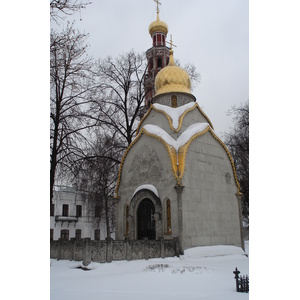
(201, 273)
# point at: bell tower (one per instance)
(157, 56)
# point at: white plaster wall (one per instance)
(84, 223)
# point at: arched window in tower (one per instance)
(164, 42)
(154, 40)
(159, 39)
(169, 227)
(159, 62)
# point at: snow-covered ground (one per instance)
(202, 273)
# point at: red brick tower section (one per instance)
(157, 56)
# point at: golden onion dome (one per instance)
(172, 79)
(158, 26)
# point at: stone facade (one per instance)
(201, 188)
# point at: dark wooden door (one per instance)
(146, 223)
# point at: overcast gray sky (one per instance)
(211, 34)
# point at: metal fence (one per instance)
(242, 282)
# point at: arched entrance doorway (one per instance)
(145, 217)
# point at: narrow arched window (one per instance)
(169, 227)
(127, 222)
(174, 101)
(154, 40)
(159, 39)
(97, 234)
(78, 234)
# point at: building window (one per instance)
(78, 234)
(51, 234)
(97, 234)
(159, 62)
(158, 39)
(174, 101)
(169, 228)
(97, 211)
(52, 209)
(65, 211)
(127, 221)
(64, 234)
(154, 40)
(78, 211)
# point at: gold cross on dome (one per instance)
(157, 7)
(171, 43)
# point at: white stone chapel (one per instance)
(177, 178)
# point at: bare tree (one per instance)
(191, 70)
(122, 94)
(61, 8)
(97, 175)
(70, 86)
(238, 143)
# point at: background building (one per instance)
(73, 216)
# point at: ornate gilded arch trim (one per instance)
(170, 150)
(196, 106)
(178, 158)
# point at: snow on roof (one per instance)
(182, 139)
(149, 187)
(174, 112)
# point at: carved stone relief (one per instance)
(145, 167)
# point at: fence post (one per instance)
(176, 246)
(109, 254)
(145, 249)
(59, 249)
(162, 248)
(87, 251)
(127, 249)
(236, 273)
(72, 246)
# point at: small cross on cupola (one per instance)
(157, 5)
(171, 43)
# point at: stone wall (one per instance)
(88, 250)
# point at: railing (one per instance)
(66, 218)
(242, 282)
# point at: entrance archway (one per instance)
(145, 218)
